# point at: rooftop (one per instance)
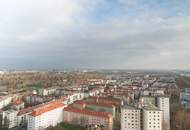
(79, 102)
(27, 110)
(88, 112)
(129, 107)
(46, 108)
(18, 102)
(101, 104)
(10, 111)
(105, 98)
(151, 108)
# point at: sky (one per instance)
(96, 34)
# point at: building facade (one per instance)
(88, 117)
(130, 118)
(50, 114)
(9, 118)
(163, 104)
(152, 118)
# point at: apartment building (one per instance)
(107, 100)
(18, 104)
(163, 103)
(96, 106)
(9, 118)
(5, 100)
(130, 118)
(49, 114)
(152, 118)
(88, 117)
(46, 91)
(23, 114)
(147, 100)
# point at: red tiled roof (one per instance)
(45, 108)
(26, 110)
(61, 98)
(88, 112)
(18, 102)
(30, 109)
(79, 102)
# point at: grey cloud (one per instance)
(49, 39)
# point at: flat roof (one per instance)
(129, 107)
(88, 112)
(151, 108)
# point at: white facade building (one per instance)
(163, 104)
(22, 119)
(130, 118)
(5, 100)
(74, 97)
(9, 118)
(47, 91)
(48, 115)
(152, 118)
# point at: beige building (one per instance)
(130, 118)
(88, 117)
(147, 100)
(152, 118)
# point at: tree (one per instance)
(1, 121)
(117, 124)
(58, 127)
(181, 120)
(164, 126)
